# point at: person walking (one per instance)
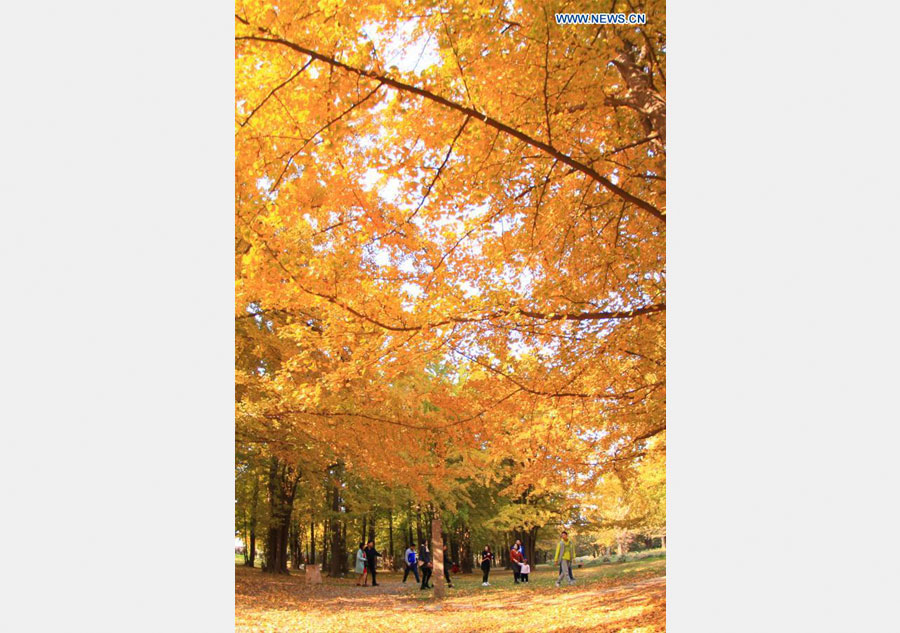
(371, 555)
(425, 557)
(487, 558)
(411, 564)
(447, 572)
(565, 556)
(515, 558)
(361, 564)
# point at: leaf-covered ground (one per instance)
(629, 597)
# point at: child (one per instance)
(524, 571)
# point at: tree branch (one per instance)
(440, 169)
(487, 120)
(276, 89)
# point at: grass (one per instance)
(610, 597)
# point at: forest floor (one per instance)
(621, 597)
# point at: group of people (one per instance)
(520, 565)
(367, 556)
(413, 560)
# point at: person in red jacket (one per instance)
(515, 557)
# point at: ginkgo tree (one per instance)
(450, 234)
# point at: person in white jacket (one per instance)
(361, 565)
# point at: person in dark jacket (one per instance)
(447, 573)
(486, 559)
(371, 555)
(425, 557)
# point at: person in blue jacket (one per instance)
(411, 564)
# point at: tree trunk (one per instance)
(344, 564)
(282, 487)
(362, 537)
(312, 543)
(295, 547)
(299, 545)
(391, 537)
(335, 567)
(467, 561)
(251, 560)
(454, 549)
(531, 544)
(437, 557)
(325, 532)
(641, 95)
(419, 527)
(664, 541)
(372, 528)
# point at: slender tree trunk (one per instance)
(251, 560)
(664, 541)
(391, 535)
(419, 527)
(362, 537)
(312, 542)
(372, 528)
(437, 556)
(344, 563)
(326, 530)
(335, 567)
(299, 545)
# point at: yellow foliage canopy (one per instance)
(450, 233)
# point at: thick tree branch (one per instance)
(487, 120)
